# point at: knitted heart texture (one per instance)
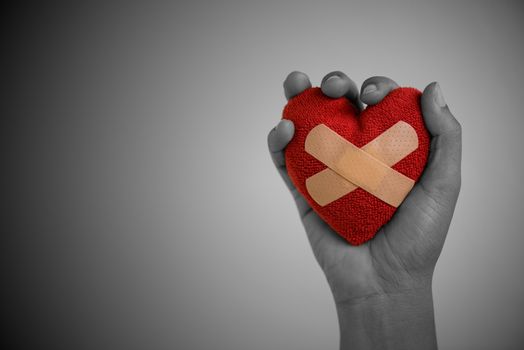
(358, 215)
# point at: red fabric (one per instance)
(358, 215)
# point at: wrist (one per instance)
(394, 320)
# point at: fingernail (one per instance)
(439, 98)
(369, 89)
(332, 78)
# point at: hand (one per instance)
(397, 264)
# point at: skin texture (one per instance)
(382, 289)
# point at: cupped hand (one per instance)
(402, 255)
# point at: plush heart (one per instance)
(358, 215)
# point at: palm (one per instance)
(405, 250)
(375, 267)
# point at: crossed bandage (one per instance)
(369, 167)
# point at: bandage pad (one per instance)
(369, 167)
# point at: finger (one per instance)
(295, 83)
(428, 209)
(337, 84)
(321, 237)
(277, 140)
(375, 89)
(441, 179)
(280, 136)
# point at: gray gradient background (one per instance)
(140, 206)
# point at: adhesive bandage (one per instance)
(369, 167)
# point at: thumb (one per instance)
(426, 213)
(442, 176)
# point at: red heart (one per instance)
(357, 216)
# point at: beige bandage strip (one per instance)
(350, 167)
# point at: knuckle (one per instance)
(457, 127)
(452, 126)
